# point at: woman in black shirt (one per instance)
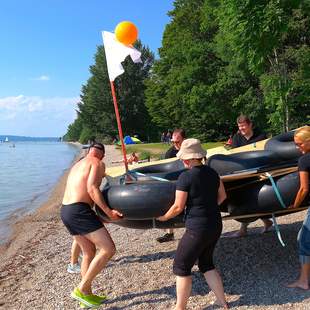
(201, 190)
(302, 141)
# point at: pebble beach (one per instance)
(254, 268)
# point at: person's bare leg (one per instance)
(184, 288)
(267, 225)
(75, 252)
(215, 283)
(104, 243)
(89, 252)
(241, 232)
(303, 281)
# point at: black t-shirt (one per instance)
(202, 184)
(304, 164)
(240, 140)
(172, 152)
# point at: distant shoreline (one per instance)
(14, 138)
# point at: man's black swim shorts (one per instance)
(79, 218)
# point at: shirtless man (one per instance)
(82, 190)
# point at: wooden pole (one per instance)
(119, 125)
(284, 212)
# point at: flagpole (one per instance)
(119, 125)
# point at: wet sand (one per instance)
(254, 268)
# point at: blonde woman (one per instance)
(302, 141)
(201, 190)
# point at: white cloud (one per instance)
(36, 116)
(42, 78)
(35, 106)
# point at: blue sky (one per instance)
(47, 48)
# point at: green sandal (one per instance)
(100, 299)
(90, 301)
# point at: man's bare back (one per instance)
(83, 184)
(86, 173)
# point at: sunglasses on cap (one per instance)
(98, 146)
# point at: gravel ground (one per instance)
(254, 268)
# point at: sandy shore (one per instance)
(255, 268)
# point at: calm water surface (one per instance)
(28, 172)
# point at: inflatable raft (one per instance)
(261, 181)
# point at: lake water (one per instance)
(28, 173)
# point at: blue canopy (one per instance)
(128, 140)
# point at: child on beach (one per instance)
(74, 266)
(133, 158)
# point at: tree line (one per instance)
(219, 58)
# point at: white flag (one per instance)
(115, 53)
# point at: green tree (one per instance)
(130, 90)
(179, 89)
(267, 35)
(195, 84)
(74, 130)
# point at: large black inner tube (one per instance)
(261, 197)
(228, 164)
(141, 200)
(283, 146)
(168, 171)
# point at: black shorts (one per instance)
(79, 218)
(196, 245)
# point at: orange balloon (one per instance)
(126, 32)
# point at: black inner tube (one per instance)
(283, 146)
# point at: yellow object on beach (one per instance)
(136, 140)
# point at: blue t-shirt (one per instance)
(202, 184)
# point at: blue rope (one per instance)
(150, 176)
(276, 226)
(277, 192)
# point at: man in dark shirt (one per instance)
(178, 136)
(247, 135)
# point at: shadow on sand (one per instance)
(144, 258)
(255, 268)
